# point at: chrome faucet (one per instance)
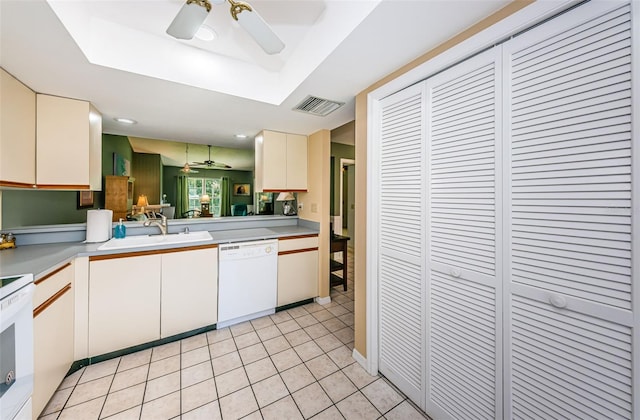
(161, 223)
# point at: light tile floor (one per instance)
(294, 364)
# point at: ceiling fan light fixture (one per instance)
(206, 33)
(191, 16)
(186, 169)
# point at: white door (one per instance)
(400, 233)
(570, 312)
(464, 339)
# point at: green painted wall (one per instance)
(338, 151)
(112, 144)
(29, 207)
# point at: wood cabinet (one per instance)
(124, 301)
(297, 269)
(118, 195)
(53, 333)
(17, 133)
(189, 292)
(280, 162)
(68, 144)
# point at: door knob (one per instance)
(558, 301)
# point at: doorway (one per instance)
(347, 200)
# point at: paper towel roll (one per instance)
(99, 225)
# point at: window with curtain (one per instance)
(197, 187)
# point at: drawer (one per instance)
(50, 284)
(291, 243)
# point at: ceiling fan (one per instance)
(186, 168)
(194, 12)
(210, 163)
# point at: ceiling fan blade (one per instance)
(191, 16)
(256, 26)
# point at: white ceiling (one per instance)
(117, 55)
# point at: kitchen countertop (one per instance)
(44, 258)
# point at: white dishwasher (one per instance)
(247, 281)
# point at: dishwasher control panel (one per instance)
(248, 250)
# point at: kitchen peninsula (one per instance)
(106, 303)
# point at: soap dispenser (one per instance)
(120, 230)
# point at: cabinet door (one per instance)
(17, 133)
(189, 291)
(124, 302)
(571, 314)
(297, 276)
(274, 161)
(95, 149)
(53, 336)
(62, 139)
(296, 162)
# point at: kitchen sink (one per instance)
(155, 240)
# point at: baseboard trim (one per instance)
(78, 364)
(362, 361)
(323, 300)
(294, 305)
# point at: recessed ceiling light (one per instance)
(206, 33)
(241, 136)
(125, 120)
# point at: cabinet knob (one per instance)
(455, 272)
(558, 301)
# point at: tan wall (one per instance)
(316, 200)
(361, 157)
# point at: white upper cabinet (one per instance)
(281, 162)
(68, 150)
(17, 133)
(296, 162)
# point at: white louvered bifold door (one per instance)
(401, 242)
(463, 324)
(568, 287)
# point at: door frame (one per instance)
(337, 219)
(501, 30)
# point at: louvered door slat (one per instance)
(569, 199)
(462, 328)
(400, 242)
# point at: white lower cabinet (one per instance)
(124, 301)
(189, 292)
(297, 269)
(135, 299)
(53, 336)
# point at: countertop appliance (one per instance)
(16, 346)
(248, 281)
